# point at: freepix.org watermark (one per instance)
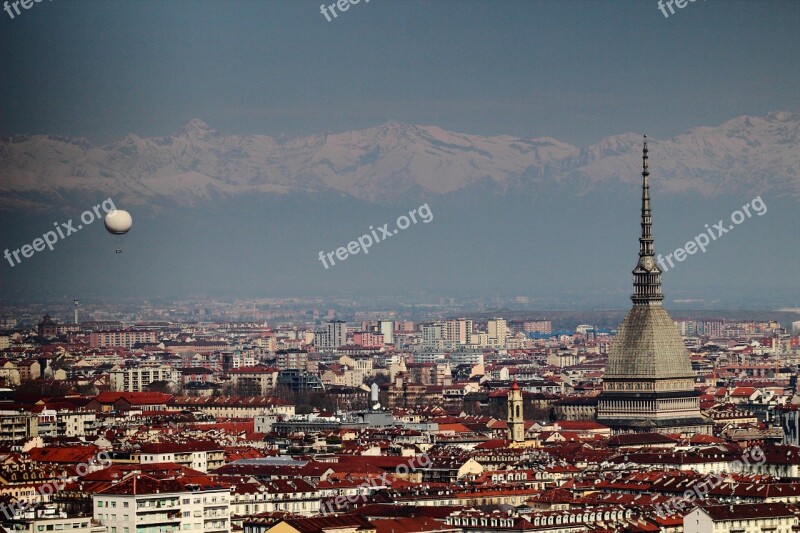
(26, 4)
(343, 6)
(368, 239)
(678, 3)
(363, 493)
(712, 234)
(64, 230)
(45, 490)
(699, 491)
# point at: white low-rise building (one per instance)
(142, 504)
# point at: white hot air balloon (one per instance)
(118, 222)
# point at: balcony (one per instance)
(158, 506)
(168, 529)
(160, 518)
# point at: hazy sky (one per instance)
(573, 70)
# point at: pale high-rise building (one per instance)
(433, 335)
(538, 326)
(458, 331)
(333, 336)
(387, 328)
(498, 332)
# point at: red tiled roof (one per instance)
(140, 484)
(411, 525)
(180, 447)
(739, 512)
(577, 425)
(322, 523)
(65, 455)
(134, 398)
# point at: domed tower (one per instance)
(649, 383)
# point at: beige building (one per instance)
(234, 406)
(750, 518)
(9, 372)
(201, 456)
(498, 332)
(16, 425)
(29, 369)
(254, 380)
(121, 338)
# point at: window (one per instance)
(125, 504)
(99, 503)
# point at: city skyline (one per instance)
(583, 315)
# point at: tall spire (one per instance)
(646, 240)
(646, 275)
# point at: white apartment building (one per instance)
(429, 356)
(66, 424)
(142, 504)
(198, 455)
(386, 327)
(49, 519)
(466, 356)
(333, 336)
(139, 379)
(433, 336)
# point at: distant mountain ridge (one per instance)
(392, 161)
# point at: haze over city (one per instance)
(246, 138)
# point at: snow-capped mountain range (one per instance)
(395, 160)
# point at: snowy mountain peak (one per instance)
(396, 160)
(197, 129)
